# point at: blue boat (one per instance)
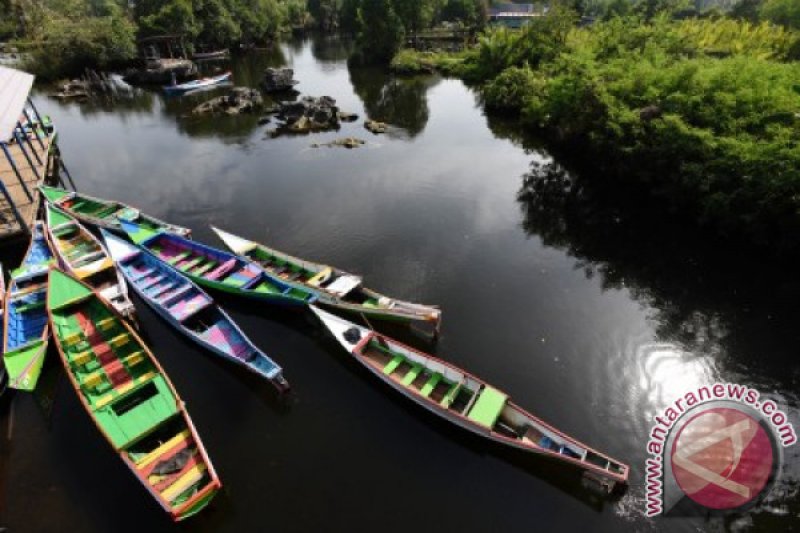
(26, 331)
(202, 83)
(215, 268)
(189, 309)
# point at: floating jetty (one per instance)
(30, 155)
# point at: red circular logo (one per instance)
(722, 458)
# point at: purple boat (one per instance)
(189, 309)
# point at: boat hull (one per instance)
(155, 243)
(176, 498)
(65, 199)
(130, 258)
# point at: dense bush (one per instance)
(704, 112)
(67, 36)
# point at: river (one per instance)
(592, 311)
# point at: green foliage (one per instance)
(219, 22)
(513, 88)
(67, 36)
(409, 62)
(784, 12)
(381, 31)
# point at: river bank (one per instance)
(708, 125)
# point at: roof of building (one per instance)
(15, 86)
(511, 8)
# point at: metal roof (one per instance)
(15, 86)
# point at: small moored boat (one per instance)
(216, 269)
(333, 287)
(104, 213)
(80, 253)
(197, 84)
(208, 56)
(467, 401)
(189, 309)
(25, 331)
(129, 397)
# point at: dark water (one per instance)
(591, 311)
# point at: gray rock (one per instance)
(346, 142)
(239, 100)
(344, 116)
(309, 114)
(376, 127)
(278, 79)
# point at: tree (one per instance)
(747, 10)
(381, 32)
(784, 12)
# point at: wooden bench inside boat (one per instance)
(487, 407)
(130, 416)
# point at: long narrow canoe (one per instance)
(129, 397)
(104, 213)
(81, 254)
(216, 269)
(189, 309)
(25, 328)
(467, 401)
(332, 286)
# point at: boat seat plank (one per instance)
(161, 450)
(221, 270)
(392, 365)
(450, 395)
(431, 384)
(202, 269)
(488, 407)
(412, 374)
(175, 259)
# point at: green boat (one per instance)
(129, 397)
(334, 288)
(105, 213)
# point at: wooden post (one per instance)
(41, 125)
(38, 117)
(27, 139)
(16, 171)
(21, 222)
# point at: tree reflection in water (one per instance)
(400, 102)
(707, 295)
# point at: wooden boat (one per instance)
(197, 84)
(81, 254)
(216, 269)
(189, 309)
(332, 286)
(104, 213)
(208, 56)
(25, 327)
(467, 401)
(129, 397)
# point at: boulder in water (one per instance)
(278, 79)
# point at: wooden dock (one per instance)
(24, 193)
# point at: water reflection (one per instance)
(401, 102)
(718, 314)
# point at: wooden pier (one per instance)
(28, 154)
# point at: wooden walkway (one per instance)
(32, 175)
